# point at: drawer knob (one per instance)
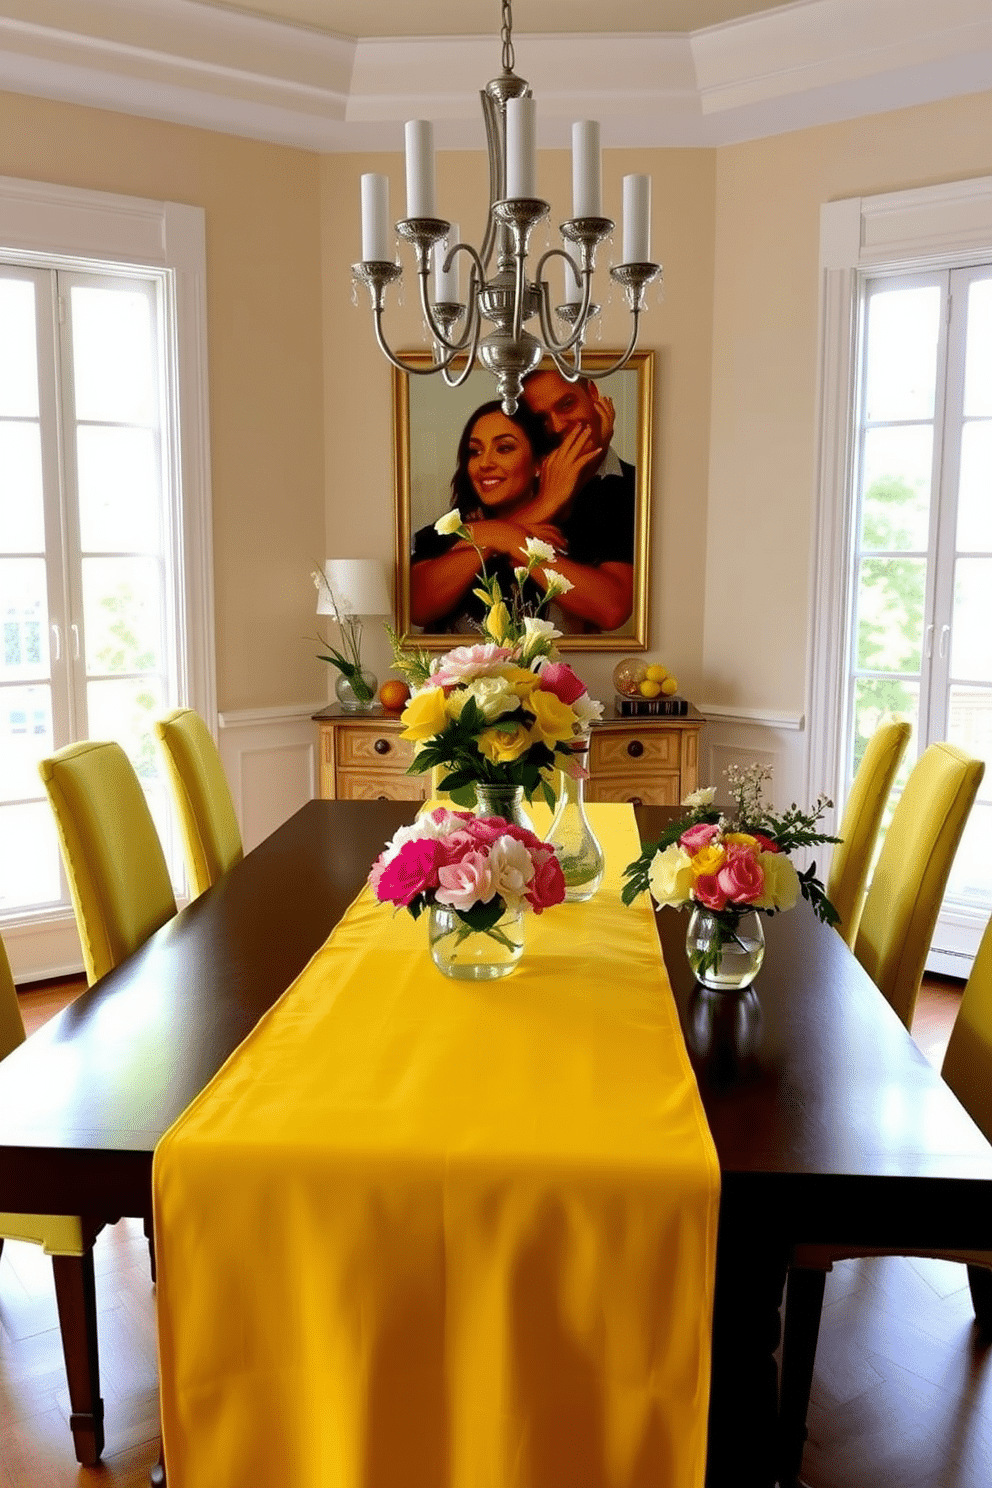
(635, 748)
(382, 746)
(635, 801)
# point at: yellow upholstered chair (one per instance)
(68, 1239)
(862, 819)
(967, 1068)
(907, 886)
(118, 878)
(211, 835)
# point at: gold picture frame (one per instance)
(428, 419)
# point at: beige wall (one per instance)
(264, 330)
(358, 418)
(765, 314)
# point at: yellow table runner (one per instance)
(420, 1233)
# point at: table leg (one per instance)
(75, 1293)
(750, 1277)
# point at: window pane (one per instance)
(122, 612)
(22, 517)
(25, 738)
(124, 711)
(895, 512)
(971, 648)
(970, 726)
(901, 371)
(970, 880)
(113, 355)
(119, 497)
(18, 356)
(24, 617)
(975, 489)
(877, 699)
(29, 857)
(890, 614)
(978, 357)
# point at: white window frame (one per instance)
(899, 231)
(39, 224)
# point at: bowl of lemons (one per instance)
(639, 684)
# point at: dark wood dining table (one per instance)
(829, 1123)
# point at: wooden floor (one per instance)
(902, 1396)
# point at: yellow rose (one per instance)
(521, 680)
(781, 882)
(743, 839)
(553, 719)
(670, 876)
(498, 622)
(502, 746)
(425, 715)
(708, 860)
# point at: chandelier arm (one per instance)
(400, 365)
(476, 278)
(625, 358)
(459, 378)
(491, 119)
(544, 310)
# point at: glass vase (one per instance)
(506, 801)
(570, 834)
(726, 947)
(360, 700)
(475, 955)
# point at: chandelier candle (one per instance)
(636, 219)
(375, 218)
(521, 148)
(420, 168)
(446, 286)
(587, 170)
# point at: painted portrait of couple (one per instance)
(571, 466)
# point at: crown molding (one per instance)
(814, 62)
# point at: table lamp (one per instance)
(352, 589)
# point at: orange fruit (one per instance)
(393, 694)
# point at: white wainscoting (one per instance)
(270, 758)
(744, 736)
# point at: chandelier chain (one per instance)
(506, 35)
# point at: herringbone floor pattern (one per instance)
(902, 1396)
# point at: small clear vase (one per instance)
(726, 947)
(506, 801)
(570, 834)
(360, 699)
(475, 955)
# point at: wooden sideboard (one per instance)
(648, 761)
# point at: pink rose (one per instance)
(708, 891)
(558, 677)
(742, 877)
(465, 662)
(547, 886)
(467, 882)
(488, 828)
(699, 836)
(410, 872)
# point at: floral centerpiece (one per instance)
(732, 868)
(477, 875)
(504, 712)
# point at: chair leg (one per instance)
(149, 1228)
(75, 1291)
(803, 1305)
(980, 1282)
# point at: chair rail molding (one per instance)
(898, 231)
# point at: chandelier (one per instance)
(508, 297)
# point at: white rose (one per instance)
(699, 800)
(534, 547)
(670, 876)
(512, 869)
(493, 697)
(449, 523)
(587, 710)
(781, 882)
(539, 638)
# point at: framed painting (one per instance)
(573, 468)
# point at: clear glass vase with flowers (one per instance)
(730, 869)
(504, 713)
(477, 876)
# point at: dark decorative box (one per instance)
(659, 707)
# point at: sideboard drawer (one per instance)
(373, 748)
(368, 785)
(625, 752)
(653, 790)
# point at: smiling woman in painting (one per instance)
(515, 478)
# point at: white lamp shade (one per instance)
(355, 586)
